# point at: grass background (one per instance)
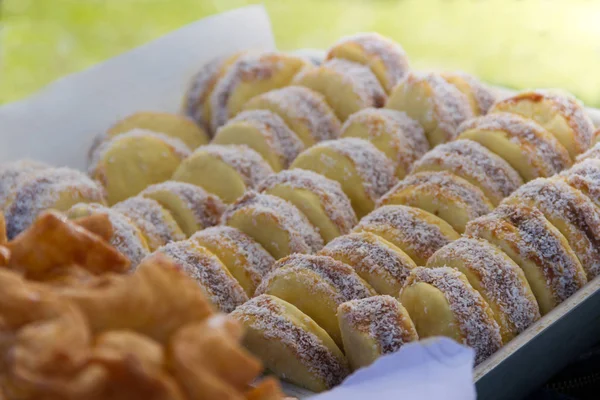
(517, 43)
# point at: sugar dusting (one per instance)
(479, 330)
(220, 287)
(364, 83)
(483, 95)
(593, 152)
(333, 200)
(585, 176)
(12, 174)
(264, 315)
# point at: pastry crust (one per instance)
(585, 177)
(12, 174)
(481, 98)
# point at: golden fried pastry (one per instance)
(497, 278)
(274, 223)
(373, 327)
(569, 210)
(593, 152)
(128, 163)
(173, 125)
(436, 104)
(416, 232)
(443, 194)
(191, 206)
(3, 237)
(196, 103)
(380, 263)
(347, 86)
(561, 115)
(291, 344)
(249, 76)
(247, 260)
(53, 242)
(317, 285)
(442, 302)
(13, 174)
(401, 138)
(525, 145)
(480, 97)
(267, 389)
(386, 58)
(227, 171)
(320, 199)
(98, 224)
(156, 223)
(530, 240)
(585, 176)
(474, 163)
(364, 172)
(51, 188)
(264, 132)
(305, 111)
(126, 237)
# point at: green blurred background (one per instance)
(517, 43)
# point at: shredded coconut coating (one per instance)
(304, 237)
(126, 237)
(333, 200)
(545, 153)
(475, 163)
(536, 240)
(152, 219)
(483, 95)
(258, 261)
(370, 256)
(281, 139)
(205, 268)
(593, 152)
(446, 187)
(408, 137)
(335, 275)
(479, 330)
(560, 202)
(585, 176)
(377, 48)
(365, 83)
(566, 106)
(247, 162)
(12, 174)
(309, 107)
(406, 224)
(264, 315)
(498, 275)
(382, 318)
(373, 167)
(206, 207)
(42, 189)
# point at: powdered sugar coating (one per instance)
(333, 200)
(281, 139)
(374, 168)
(304, 237)
(247, 162)
(585, 176)
(155, 223)
(560, 202)
(445, 187)
(370, 257)
(475, 163)
(306, 106)
(593, 152)
(545, 154)
(408, 227)
(377, 48)
(365, 84)
(483, 95)
(265, 315)
(566, 106)
(126, 237)
(258, 261)
(220, 287)
(382, 318)
(479, 330)
(206, 207)
(342, 278)
(14, 173)
(42, 189)
(499, 278)
(407, 136)
(535, 240)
